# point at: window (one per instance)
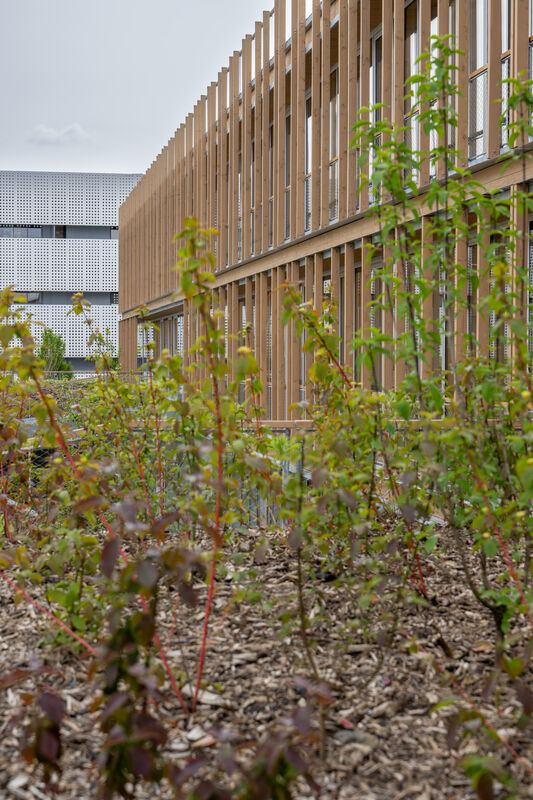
(478, 34)
(410, 52)
(334, 145)
(114, 233)
(308, 163)
(410, 69)
(477, 88)
(6, 231)
(113, 298)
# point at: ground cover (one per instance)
(197, 606)
(384, 739)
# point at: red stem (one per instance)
(503, 545)
(111, 533)
(140, 471)
(49, 614)
(466, 697)
(220, 451)
(4, 503)
(158, 439)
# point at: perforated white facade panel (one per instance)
(62, 198)
(59, 265)
(73, 329)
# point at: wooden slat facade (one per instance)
(261, 159)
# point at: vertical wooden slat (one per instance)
(461, 323)
(318, 293)
(281, 358)
(298, 116)
(364, 73)
(262, 335)
(326, 83)
(275, 335)
(293, 354)
(424, 39)
(295, 115)
(463, 44)
(266, 125)
(344, 128)
(222, 206)
(211, 153)
(428, 301)
(316, 117)
(234, 157)
(399, 46)
(387, 364)
(246, 143)
(309, 299)
(483, 326)
(258, 181)
(348, 300)
(336, 283)
(353, 200)
(366, 375)
(494, 78)
(279, 123)
(520, 42)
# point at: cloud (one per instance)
(46, 136)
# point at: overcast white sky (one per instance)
(101, 85)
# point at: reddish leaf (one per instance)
(15, 676)
(294, 539)
(147, 574)
(115, 702)
(141, 762)
(484, 788)
(525, 696)
(126, 510)
(47, 746)
(187, 593)
(453, 725)
(177, 777)
(319, 477)
(87, 503)
(53, 706)
(108, 557)
(302, 720)
(160, 525)
(348, 498)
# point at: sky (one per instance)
(101, 86)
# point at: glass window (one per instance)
(6, 231)
(411, 49)
(34, 233)
(308, 135)
(288, 150)
(478, 34)
(20, 233)
(506, 25)
(334, 115)
(114, 233)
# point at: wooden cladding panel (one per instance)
(198, 174)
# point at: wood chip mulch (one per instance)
(384, 739)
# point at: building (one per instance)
(265, 158)
(58, 236)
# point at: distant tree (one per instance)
(52, 352)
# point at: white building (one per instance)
(58, 236)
